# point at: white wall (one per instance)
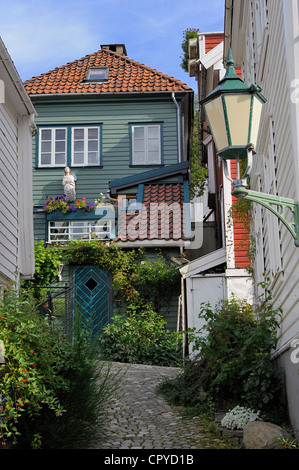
(270, 57)
(8, 192)
(16, 214)
(213, 289)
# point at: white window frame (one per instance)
(69, 146)
(52, 151)
(85, 146)
(97, 74)
(146, 150)
(63, 230)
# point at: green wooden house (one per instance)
(124, 131)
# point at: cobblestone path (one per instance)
(140, 418)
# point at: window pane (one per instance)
(93, 133)
(100, 73)
(45, 159)
(78, 133)
(153, 132)
(79, 146)
(60, 134)
(60, 146)
(59, 158)
(46, 134)
(93, 158)
(139, 146)
(78, 158)
(153, 158)
(46, 147)
(153, 145)
(138, 132)
(138, 158)
(93, 145)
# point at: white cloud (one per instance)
(41, 35)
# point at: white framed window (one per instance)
(85, 146)
(97, 74)
(52, 147)
(62, 231)
(146, 144)
(69, 146)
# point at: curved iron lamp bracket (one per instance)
(276, 204)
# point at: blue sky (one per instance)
(43, 34)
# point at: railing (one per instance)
(61, 231)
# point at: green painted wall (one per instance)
(115, 116)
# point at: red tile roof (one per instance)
(162, 217)
(125, 76)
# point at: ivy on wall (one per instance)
(140, 281)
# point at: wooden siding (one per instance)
(115, 117)
(212, 40)
(277, 163)
(8, 192)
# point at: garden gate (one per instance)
(92, 296)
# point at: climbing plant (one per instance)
(189, 33)
(47, 263)
(198, 170)
(139, 281)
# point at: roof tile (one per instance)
(125, 75)
(164, 217)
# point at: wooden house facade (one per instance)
(263, 36)
(17, 115)
(124, 131)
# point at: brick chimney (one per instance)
(119, 48)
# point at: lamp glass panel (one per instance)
(256, 117)
(238, 114)
(215, 116)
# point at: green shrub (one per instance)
(237, 347)
(156, 281)
(51, 390)
(141, 337)
(234, 364)
(190, 388)
(30, 379)
(47, 263)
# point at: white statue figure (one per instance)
(69, 185)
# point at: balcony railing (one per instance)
(62, 231)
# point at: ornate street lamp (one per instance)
(233, 112)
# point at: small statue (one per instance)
(69, 185)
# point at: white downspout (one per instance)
(178, 127)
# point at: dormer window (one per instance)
(97, 74)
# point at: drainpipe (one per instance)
(178, 126)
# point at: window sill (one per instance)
(71, 167)
(157, 165)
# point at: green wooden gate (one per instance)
(92, 296)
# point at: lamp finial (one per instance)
(230, 64)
